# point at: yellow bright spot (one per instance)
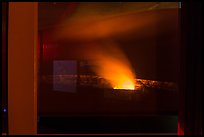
(125, 85)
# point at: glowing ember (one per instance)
(125, 85)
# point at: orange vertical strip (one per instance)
(22, 72)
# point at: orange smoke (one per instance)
(108, 60)
(111, 63)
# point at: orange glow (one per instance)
(97, 44)
(125, 85)
(107, 59)
(97, 40)
(110, 63)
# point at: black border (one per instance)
(6, 65)
(7, 20)
(191, 68)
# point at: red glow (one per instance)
(180, 129)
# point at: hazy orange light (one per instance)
(112, 64)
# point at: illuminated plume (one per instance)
(111, 63)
